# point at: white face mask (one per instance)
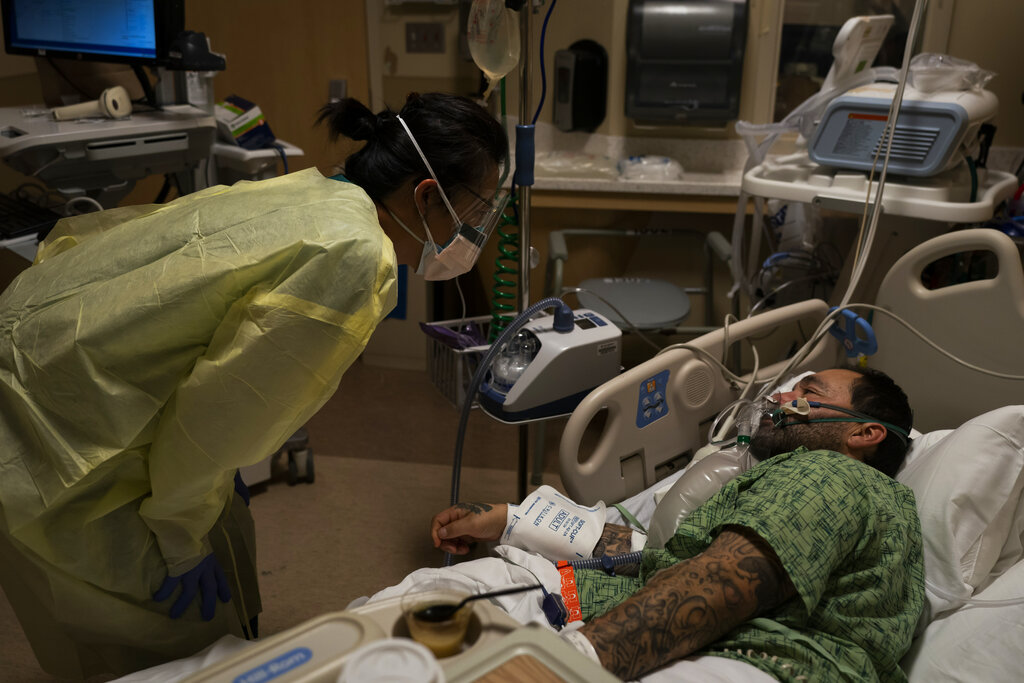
(454, 259)
(460, 253)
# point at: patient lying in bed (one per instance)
(967, 483)
(808, 565)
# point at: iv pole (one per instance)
(524, 179)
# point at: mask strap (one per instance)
(430, 170)
(801, 406)
(406, 227)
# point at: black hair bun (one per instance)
(349, 117)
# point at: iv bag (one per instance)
(493, 36)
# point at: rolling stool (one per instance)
(297, 448)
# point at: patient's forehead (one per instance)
(835, 384)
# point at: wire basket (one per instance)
(451, 370)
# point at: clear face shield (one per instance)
(458, 253)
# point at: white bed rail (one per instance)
(980, 321)
(653, 412)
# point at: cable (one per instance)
(866, 239)
(284, 157)
(726, 372)
(60, 72)
(462, 298)
(942, 593)
(147, 87)
(767, 297)
(165, 189)
(543, 73)
(81, 200)
(629, 324)
(972, 167)
(826, 323)
(956, 359)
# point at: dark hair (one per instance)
(876, 394)
(459, 138)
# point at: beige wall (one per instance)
(987, 32)
(282, 55)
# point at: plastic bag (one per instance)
(931, 72)
(557, 164)
(493, 36)
(649, 167)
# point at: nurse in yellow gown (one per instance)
(151, 351)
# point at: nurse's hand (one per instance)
(206, 578)
(454, 529)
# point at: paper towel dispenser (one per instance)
(685, 60)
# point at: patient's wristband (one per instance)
(570, 596)
(550, 524)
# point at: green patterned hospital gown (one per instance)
(850, 539)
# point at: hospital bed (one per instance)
(966, 466)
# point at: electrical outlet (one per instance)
(424, 37)
(337, 89)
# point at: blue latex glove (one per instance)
(206, 578)
(240, 488)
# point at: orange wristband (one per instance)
(569, 595)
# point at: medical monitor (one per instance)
(135, 32)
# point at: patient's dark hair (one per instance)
(459, 137)
(876, 394)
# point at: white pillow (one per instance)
(974, 643)
(968, 485)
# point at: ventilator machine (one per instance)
(550, 365)
(932, 127)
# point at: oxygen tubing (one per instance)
(975, 602)
(506, 271)
(606, 562)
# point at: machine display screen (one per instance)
(585, 323)
(131, 31)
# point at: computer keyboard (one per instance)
(19, 217)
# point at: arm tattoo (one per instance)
(615, 540)
(475, 508)
(690, 605)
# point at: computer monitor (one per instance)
(136, 32)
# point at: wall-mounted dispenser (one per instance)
(685, 60)
(581, 86)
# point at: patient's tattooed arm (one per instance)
(691, 604)
(615, 540)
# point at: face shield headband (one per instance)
(801, 406)
(475, 236)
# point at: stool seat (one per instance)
(649, 304)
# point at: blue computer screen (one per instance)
(118, 28)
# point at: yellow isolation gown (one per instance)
(147, 354)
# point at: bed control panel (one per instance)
(652, 405)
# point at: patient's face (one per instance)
(829, 386)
